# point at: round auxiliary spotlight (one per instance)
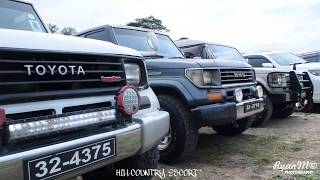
(260, 91)
(128, 100)
(238, 94)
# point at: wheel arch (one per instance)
(172, 88)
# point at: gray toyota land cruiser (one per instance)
(196, 92)
(282, 88)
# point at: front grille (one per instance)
(300, 82)
(235, 76)
(305, 81)
(17, 81)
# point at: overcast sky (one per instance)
(249, 25)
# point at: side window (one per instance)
(315, 58)
(205, 54)
(103, 35)
(257, 61)
(194, 51)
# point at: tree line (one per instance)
(149, 22)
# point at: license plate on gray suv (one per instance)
(248, 107)
(46, 167)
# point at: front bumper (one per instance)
(283, 97)
(134, 139)
(224, 113)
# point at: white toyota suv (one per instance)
(289, 61)
(68, 105)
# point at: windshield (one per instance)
(138, 40)
(19, 16)
(286, 59)
(225, 53)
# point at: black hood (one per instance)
(164, 63)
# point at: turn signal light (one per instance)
(215, 97)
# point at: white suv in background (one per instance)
(289, 61)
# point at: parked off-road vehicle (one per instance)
(196, 93)
(70, 106)
(281, 87)
(313, 56)
(308, 74)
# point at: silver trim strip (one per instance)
(48, 149)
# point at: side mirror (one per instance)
(153, 41)
(267, 65)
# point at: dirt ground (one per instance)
(253, 154)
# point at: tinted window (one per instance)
(257, 61)
(139, 40)
(195, 51)
(225, 53)
(312, 58)
(286, 59)
(99, 35)
(19, 16)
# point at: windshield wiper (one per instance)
(153, 56)
(176, 57)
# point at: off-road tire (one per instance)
(147, 160)
(306, 108)
(235, 128)
(263, 117)
(184, 130)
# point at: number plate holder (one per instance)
(62, 162)
(248, 107)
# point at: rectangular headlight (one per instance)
(59, 124)
(278, 79)
(204, 77)
(133, 73)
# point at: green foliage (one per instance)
(149, 23)
(66, 31)
(53, 28)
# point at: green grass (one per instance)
(314, 176)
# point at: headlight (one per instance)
(203, 77)
(207, 78)
(315, 72)
(260, 91)
(238, 94)
(278, 79)
(133, 73)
